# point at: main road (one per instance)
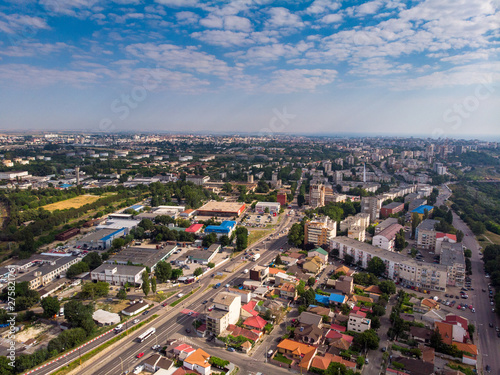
(171, 320)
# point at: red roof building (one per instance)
(194, 228)
(255, 322)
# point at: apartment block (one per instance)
(360, 220)
(452, 256)
(317, 195)
(226, 311)
(358, 322)
(391, 209)
(319, 231)
(426, 234)
(387, 238)
(400, 268)
(372, 206)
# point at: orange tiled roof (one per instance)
(469, 348)
(199, 357)
(298, 348)
(446, 331)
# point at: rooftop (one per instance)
(391, 231)
(222, 206)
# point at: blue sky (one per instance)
(384, 66)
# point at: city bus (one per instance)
(146, 334)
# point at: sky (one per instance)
(428, 68)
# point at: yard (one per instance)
(75, 202)
(281, 358)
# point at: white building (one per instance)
(226, 311)
(387, 238)
(273, 207)
(116, 274)
(12, 175)
(358, 322)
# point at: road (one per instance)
(170, 322)
(486, 339)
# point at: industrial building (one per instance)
(100, 240)
(117, 274)
(145, 256)
(226, 228)
(272, 207)
(221, 209)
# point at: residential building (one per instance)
(357, 233)
(270, 207)
(288, 290)
(226, 311)
(361, 220)
(385, 224)
(400, 268)
(282, 198)
(197, 180)
(358, 322)
(259, 273)
(391, 209)
(198, 361)
(319, 231)
(303, 353)
(317, 195)
(442, 238)
(345, 284)
(255, 322)
(156, 362)
(426, 234)
(117, 274)
(452, 256)
(313, 265)
(309, 334)
(387, 238)
(319, 252)
(371, 206)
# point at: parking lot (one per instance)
(255, 220)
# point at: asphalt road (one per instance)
(171, 322)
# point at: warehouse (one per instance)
(221, 209)
(100, 240)
(272, 207)
(224, 229)
(146, 256)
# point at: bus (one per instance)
(146, 334)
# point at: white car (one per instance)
(135, 321)
(138, 369)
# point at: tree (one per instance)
(472, 329)
(211, 265)
(367, 339)
(460, 235)
(51, 306)
(348, 259)
(153, 285)
(278, 261)
(209, 240)
(415, 221)
(301, 199)
(378, 310)
(95, 290)
(400, 242)
(145, 283)
(77, 269)
(376, 266)
(311, 281)
(122, 294)
(241, 238)
(93, 259)
(163, 271)
(227, 188)
(296, 235)
(176, 273)
(224, 240)
(117, 243)
(309, 297)
(387, 287)
(79, 315)
(375, 322)
(198, 271)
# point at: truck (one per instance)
(255, 257)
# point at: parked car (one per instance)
(230, 349)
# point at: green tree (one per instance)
(95, 290)
(145, 283)
(387, 287)
(241, 238)
(227, 188)
(460, 235)
(117, 243)
(51, 306)
(376, 266)
(93, 259)
(415, 221)
(79, 315)
(209, 240)
(176, 273)
(301, 199)
(311, 281)
(153, 285)
(278, 261)
(368, 339)
(224, 240)
(77, 269)
(378, 310)
(296, 235)
(122, 294)
(163, 271)
(400, 242)
(211, 265)
(198, 271)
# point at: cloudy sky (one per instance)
(427, 67)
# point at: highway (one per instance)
(170, 321)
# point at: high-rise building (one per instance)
(320, 231)
(372, 206)
(77, 174)
(317, 195)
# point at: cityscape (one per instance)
(249, 187)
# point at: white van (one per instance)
(245, 270)
(180, 295)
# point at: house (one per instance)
(182, 351)
(373, 289)
(420, 334)
(319, 252)
(344, 270)
(431, 317)
(236, 331)
(428, 353)
(387, 238)
(248, 309)
(355, 298)
(302, 353)
(246, 347)
(156, 362)
(322, 362)
(358, 322)
(245, 295)
(322, 311)
(446, 332)
(198, 361)
(309, 334)
(288, 290)
(255, 322)
(470, 352)
(313, 265)
(135, 308)
(415, 366)
(345, 284)
(310, 318)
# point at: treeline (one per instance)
(179, 192)
(478, 204)
(491, 259)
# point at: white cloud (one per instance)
(187, 17)
(180, 3)
(282, 17)
(322, 6)
(227, 38)
(24, 26)
(370, 7)
(34, 76)
(212, 21)
(288, 81)
(237, 23)
(272, 52)
(331, 18)
(28, 49)
(74, 8)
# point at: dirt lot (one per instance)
(75, 202)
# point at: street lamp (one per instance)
(121, 362)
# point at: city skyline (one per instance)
(425, 68)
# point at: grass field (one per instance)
(256, 235)
(75, 202)
(495, 238)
